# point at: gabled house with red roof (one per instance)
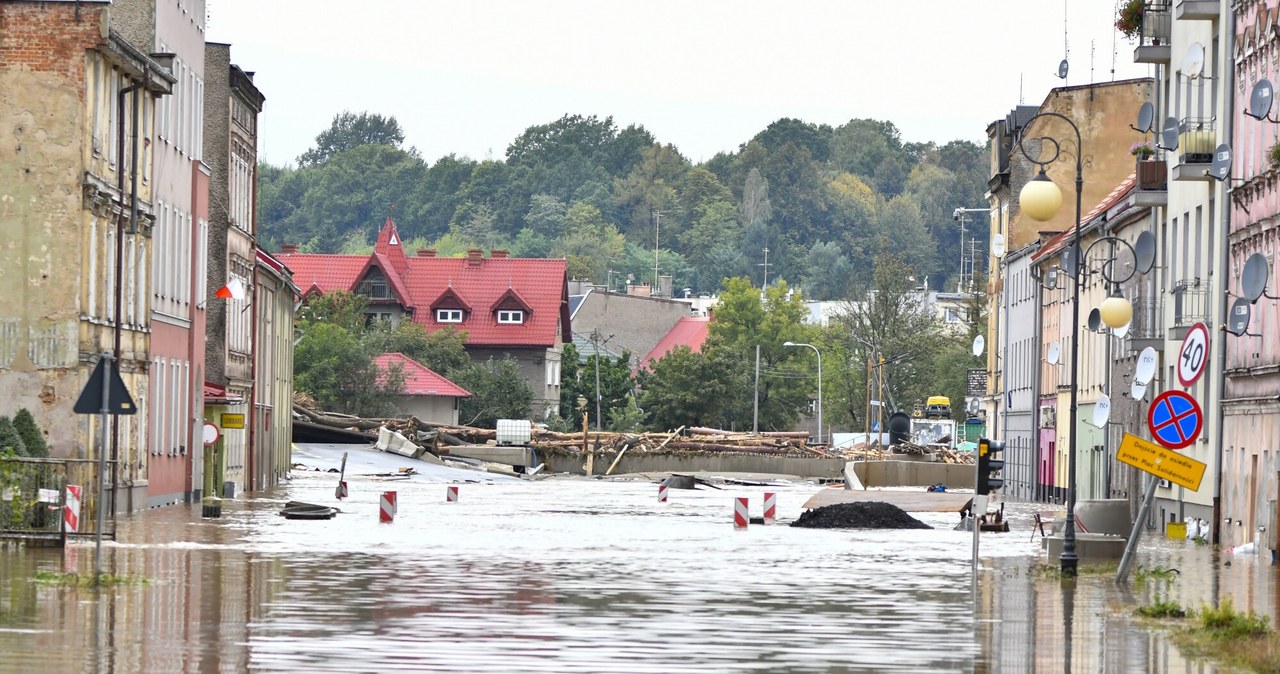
(505, 305)
(425, 394)
(690, 331)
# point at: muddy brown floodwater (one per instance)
(580, 575)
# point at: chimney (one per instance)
(288, 248)
(497, 254)
(475, 256)
(426, 252)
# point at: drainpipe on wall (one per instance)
(1220, 266)
(120, 231)
(251, 478)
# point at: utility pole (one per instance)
(765, 264)
(657, 220)
(755, 401)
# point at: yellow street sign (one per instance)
(1161, 462)
(232, 420)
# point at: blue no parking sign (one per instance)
(1175, 419)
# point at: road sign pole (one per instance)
(102, 468)
(1131, 547)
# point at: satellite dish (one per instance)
(1095, 319)
(997, 245)
(1122, 331)
(1193, 63)
(1062, 69)
(1102, 411)
(1146, 117)
(1221, 166)
(1169, 134)
(1144, 252)
(1138, 391)
(1055, 353)
(1146, 367)
(1253, 280)
(1238, 319)
(1260, 99)
(979, 342)
(1069, 261)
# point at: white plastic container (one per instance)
(514, 431)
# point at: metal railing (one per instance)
(1148, 318)
(33, 497)
(1157, 24)
(1190, 302)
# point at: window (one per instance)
(953, 315)
(510, 316)
(448, 315)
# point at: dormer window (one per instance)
(448, 315)
(510, 316)
(375, 287)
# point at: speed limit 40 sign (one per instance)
(1193, 355)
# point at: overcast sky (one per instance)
(466, 77)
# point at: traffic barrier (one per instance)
(341, 492)
(451, 494)
(770, 507)
(71, 513)
(662, 493)
(740, 518)
(387, 506)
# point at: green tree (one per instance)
(349, 131)
(32, 437)
(744, 320)
(11, 443)
(589, 243)
(443, 350)
(578, 378)
(828, 274)
(338, 307)
(895, 324)
(498, 391)
(336, 367)
(684, 388)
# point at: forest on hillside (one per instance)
(826, 202)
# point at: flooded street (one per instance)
(581, 575)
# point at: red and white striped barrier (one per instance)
(770, 507)
(341, 491)
(662, 493)
(451, 494)
(71, 513)
(387, 506)
(740, 517)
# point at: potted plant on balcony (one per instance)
(1129, 23)
(1150, 171)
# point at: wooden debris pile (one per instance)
(693, 440)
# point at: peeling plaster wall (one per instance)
(41, 163)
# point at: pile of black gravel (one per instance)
(865, 515)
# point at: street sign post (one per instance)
(1193, 355)
(1161, 462)
(1175, 419)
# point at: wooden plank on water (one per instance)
(910, 501)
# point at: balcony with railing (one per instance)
(1196, 142)
(1147, 326)
(1190, 305)
(1151, 185)
(1153, 34)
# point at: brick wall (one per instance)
(49, 37)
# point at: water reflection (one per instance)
(584, 576)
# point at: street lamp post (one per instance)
(1040, 199)
(819, 353)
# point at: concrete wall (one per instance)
(637, 324)
(434, 409)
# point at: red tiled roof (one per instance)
(420, 380)
(690, 331)
(481, 283)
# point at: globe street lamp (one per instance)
(815, 350)
(1040, 199)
